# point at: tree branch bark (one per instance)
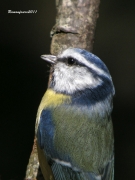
(75, 24)
(75, 27)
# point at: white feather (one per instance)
(73, 78)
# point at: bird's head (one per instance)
(75, 70)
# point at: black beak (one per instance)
(49, 58)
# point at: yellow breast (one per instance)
(51, 99)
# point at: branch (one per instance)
(75, 24)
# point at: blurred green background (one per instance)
(24, 76)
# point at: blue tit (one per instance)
(73, 127)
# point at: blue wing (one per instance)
(65, 173)
(45, 133)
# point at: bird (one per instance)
(74, 128)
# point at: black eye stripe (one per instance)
(71, 61)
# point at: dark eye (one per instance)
(71, 61)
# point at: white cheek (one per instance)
(71, 79)
(87, 81)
